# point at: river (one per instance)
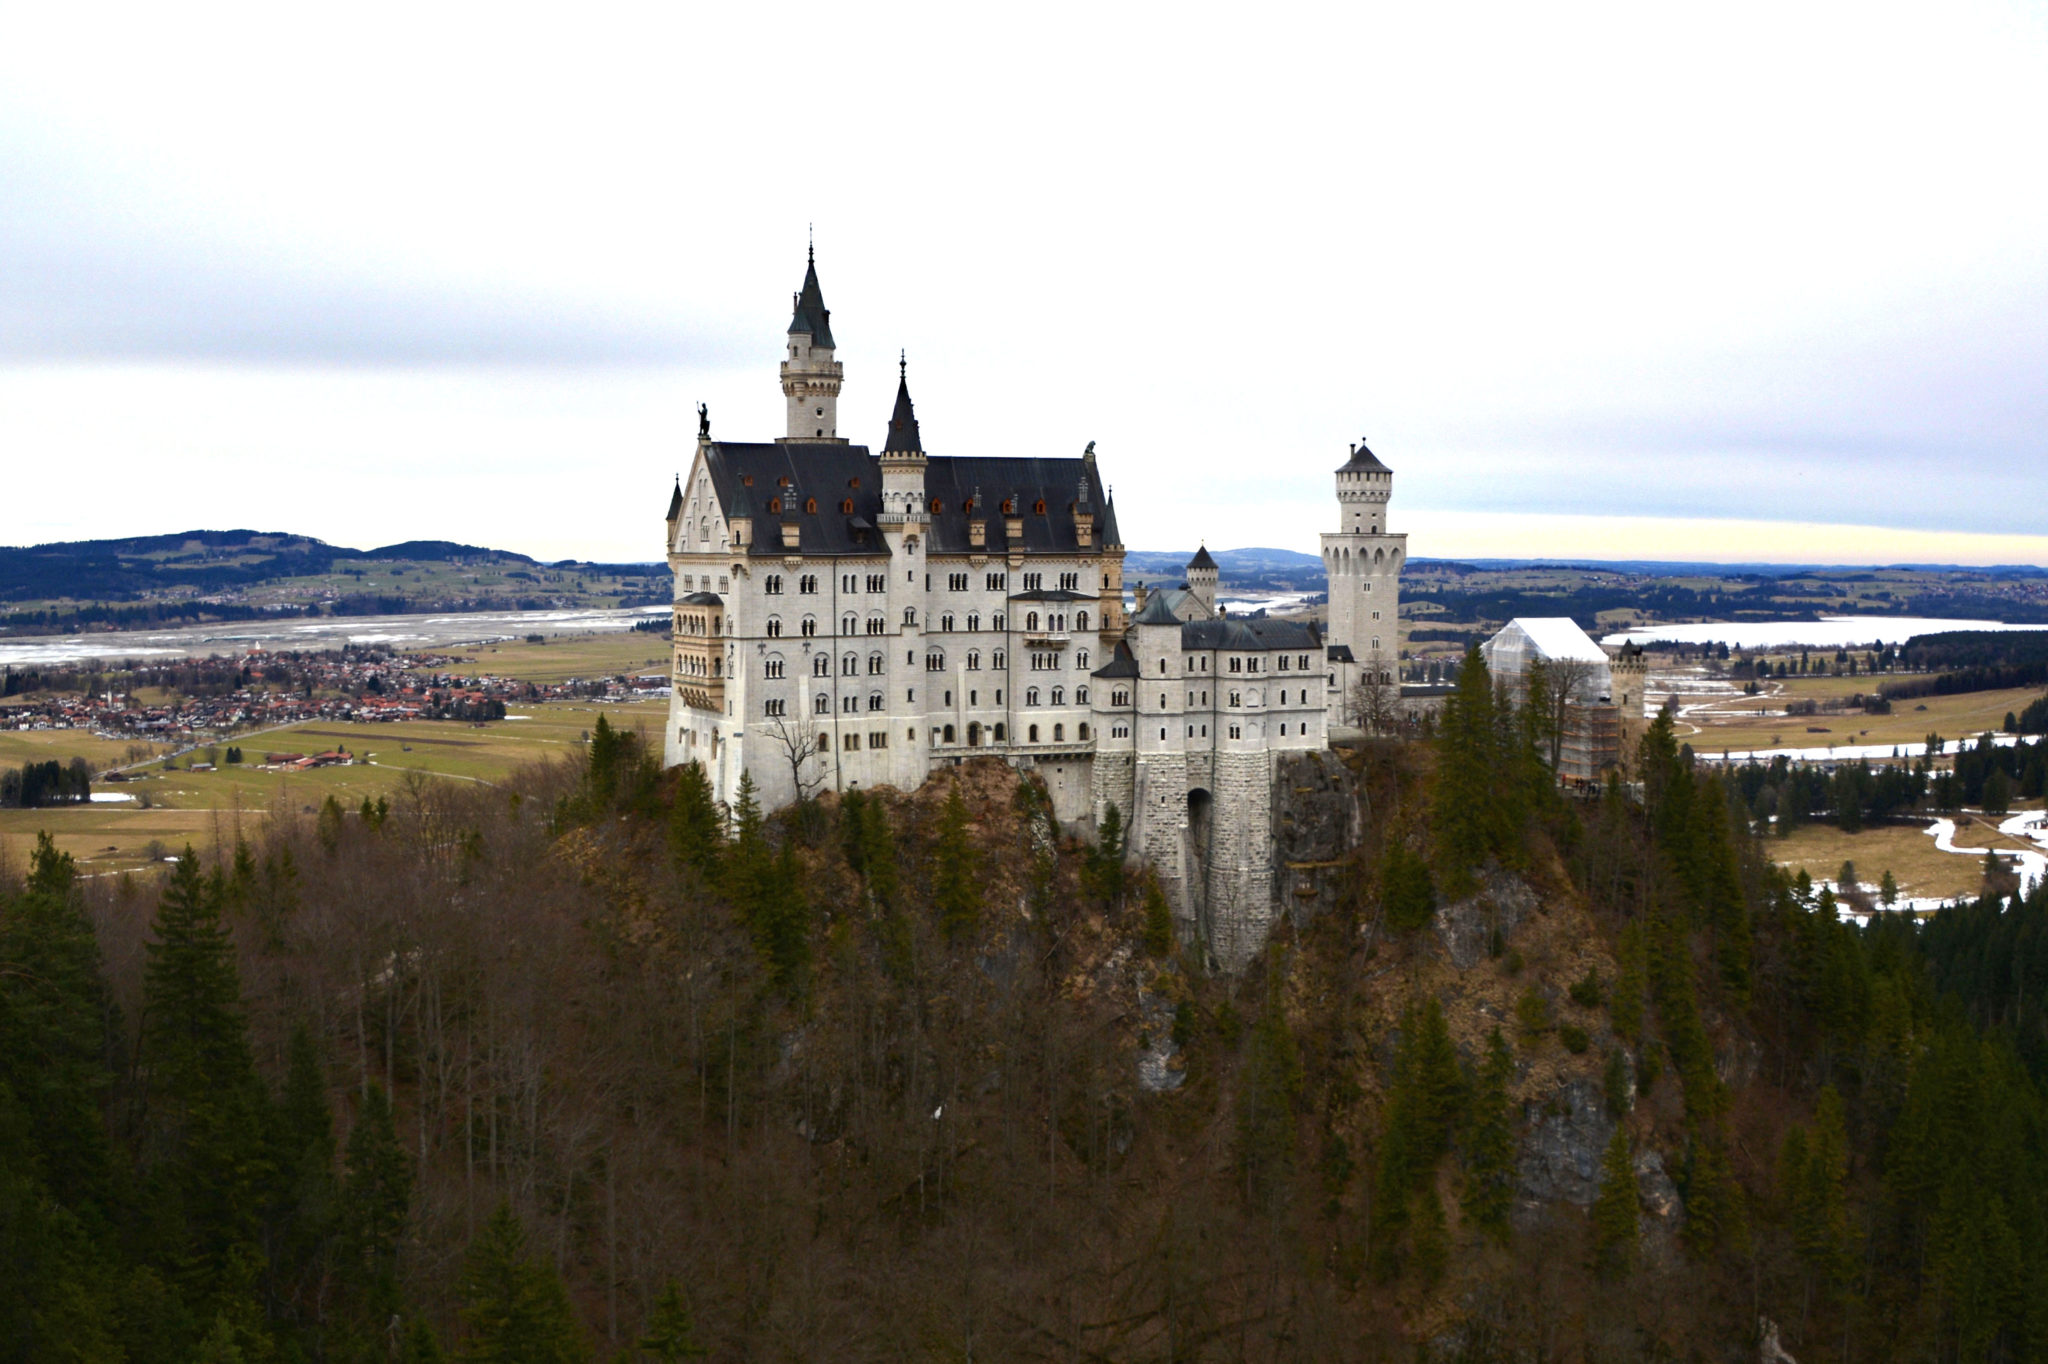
(313, 632)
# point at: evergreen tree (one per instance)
(1490, 1141)
(303, 1205)
(1406, 889)
(606, 764)
(781, 915)
(1270, 1092)
(207, 1108)
(670, 1333)
(1631, 984)
(1888, 890)
(421, 1346)
(1158, 920)
(515, 1309)
(1103, 872)
(376, 1204)
(1473, 816)
(1816, 1169)
(696, 834)
(1614, 1210)
(870, 846)
(956, 892)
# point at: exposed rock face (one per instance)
(1318, 818)
(1160, 1067)
(1560, 1156)
(1467, 926)
(1769, 1351)
(1654, 1189)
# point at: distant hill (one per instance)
(1242, 568)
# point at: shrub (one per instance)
(1533, 1014)
(1406, 889)
(1586, 990)
(1574, 1038)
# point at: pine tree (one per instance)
(670, 1333)
(1266, 1107)
(782, 921)
(303, 1205)
(1158, 920)
(1472, 818)
(956, 893)
(1406, 889)
(1490, 1142)
(1888, 889)
(606, 764)
(377, 1201)
(421, 1346)
(1102, 874)
(1631, 983)
(695, 832)
(1614, 1210)
(515, 1309)
(1816, 1168)
(207, 1107)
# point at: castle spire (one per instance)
(810, 376)
(903, 433)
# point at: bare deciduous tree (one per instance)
(798, 739)
(1374, 704)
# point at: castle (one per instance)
(845, 620)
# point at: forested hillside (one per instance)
(562, 1071)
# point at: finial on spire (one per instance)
(811, 242)
(903, 364)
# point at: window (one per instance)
(774, 705)
(910, 615)
(878, 738)
(849, 624)
(1283, 729)
(973, 620)
(877, 625)
(1283, 663)
(849, 665)
(808, 584)
(999, 696)
(1081, 699)
(1070, 582)
(774, 627)
(1034, 582)
(822, 704)
(1034, 734)
(1059, 696)
(824, 743)
(998, 660)
(875, 664)
(1059, 733)
(876, 583)
(1302, 662)
(874, 700)
(1081, 659)
(956, 582)
(973, 698)
(1031, 696)
(948, 734)
(772, 585)
(1080, 620)
(1119, 698)
(1236, 732)
(973, 660)
(850, 704)
(773, 667)
(1119, 731)
(809, 626)
(821, 666)
(948, 698)
(946, 621)
(995, 622)
(996, 582)
(1283, 696)
(1237, 698)
(851, 742)
(935, 661)
(1083, 735)
(999, 733)
(1237, 665)
(848, 582)
(1031, 621)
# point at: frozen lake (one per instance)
(318, 632)
(1829, 632)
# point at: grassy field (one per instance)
(1949, 716)
(18, 746)
(187, 805)
(564, 657)
(1908, 852)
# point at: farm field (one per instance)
(187, 805)
(1906, 850)
(564, 657)
(1735, 726)
(18, 746)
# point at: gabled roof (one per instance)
(1122, 663)
(1201, 561)
(1157, 611)
(1362, 458)
(1340, 653)
(903, 435)
(812, 316)
(1249, 636)
(701, 599)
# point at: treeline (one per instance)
(584, 1066)
(34, 785)
(1853, 795)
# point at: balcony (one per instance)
(1052, 638)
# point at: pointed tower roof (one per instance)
(1201, 561)
(1362, 458)
(1156, 612)
(903, 436)
(812, 318)
(1108, 529)
(675, 501)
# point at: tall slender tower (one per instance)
(810, 376)
(1363, 561)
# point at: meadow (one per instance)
(1734, 725)
(1905, 850)
(201, 807)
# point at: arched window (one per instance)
(1059, 696)
(1034, 734)
(772, 584)
(1119, 698)
(974, 660)
(846, 507)
(998, 660)
(1081, 659)
(877, 625)
(821, 666)
(1031, 621)
(874, 664)
(1162, 667)
(995, 622)
(949, 734)
(849, 665)
(1080, 620)
(775, 627)
(974, 734)
(849, 624)
(1059, 733)
(822, 704)
(773, 667)
(1084, 731)
(935, 661)
(1038, 507)
(999, 733)
(910, 615)
(809, 626)
(946, 621)
(1031, 696)
(874, 700)
(811, 505)
(1081, 699)
(973, 620)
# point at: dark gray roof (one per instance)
(1362, 458)
(1202, 560)
(675, 502)
(836, 474)
(1341, 653)
(812, 316)
(1249, 636)
(1157, 611)
(903, 437)
(1050, 594)
(1122, 663)
(1105, 525)
(702, 599)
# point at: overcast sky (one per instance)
(1733, 282)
